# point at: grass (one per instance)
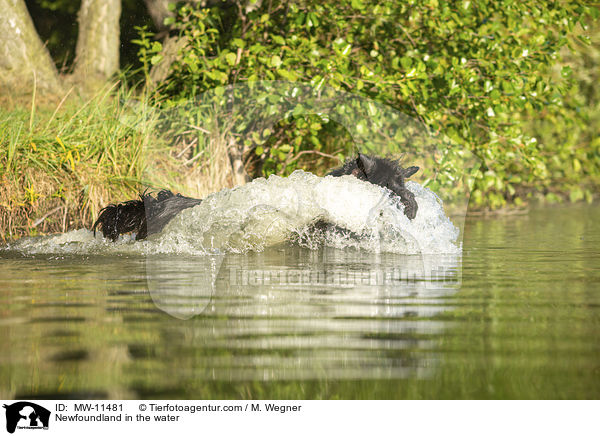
(63, 159)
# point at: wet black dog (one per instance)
(144, 216)
(383, 172)
(148, 215)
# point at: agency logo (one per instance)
(26, 415)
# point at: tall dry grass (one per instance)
(62, 160)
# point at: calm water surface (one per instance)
(516, 316)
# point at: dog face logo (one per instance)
(26, 415)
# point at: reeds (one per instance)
(59, 165)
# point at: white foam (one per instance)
(273, 211)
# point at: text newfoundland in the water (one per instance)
(273, 417)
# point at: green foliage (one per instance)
(148, 51)
(473, 72)
(569, 133)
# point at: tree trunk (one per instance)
(171, 48)
(23, 57)
(158, 11)
(97, 52)
(236, 156)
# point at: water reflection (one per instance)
(520, 320)
(296, 313)
(182, 287)
(99, 326)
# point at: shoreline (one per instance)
(63, 162)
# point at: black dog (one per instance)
(148, 215)
(144, 216)
(383, 172)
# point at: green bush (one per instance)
(475, 72)
(569, 133)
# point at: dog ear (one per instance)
(366, 164)
(407, 172)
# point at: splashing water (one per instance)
(277, 210)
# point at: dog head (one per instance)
(383, 172)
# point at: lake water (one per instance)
(515, 315)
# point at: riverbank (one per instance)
(62, 160)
